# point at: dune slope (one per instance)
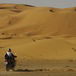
(37, 32)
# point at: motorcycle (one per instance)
(10, 64)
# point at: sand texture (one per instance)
(43, 38)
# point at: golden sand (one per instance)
(38, 32)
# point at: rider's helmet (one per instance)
(9, 50)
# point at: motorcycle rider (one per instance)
(10, 60)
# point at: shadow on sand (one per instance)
(23, 70)
(28, 70)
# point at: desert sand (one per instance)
(43, 38)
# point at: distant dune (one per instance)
(37, 20)
(38, 32)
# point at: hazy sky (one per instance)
(49, 3)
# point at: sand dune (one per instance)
(38, 32)
(38, 20)
(43, 38)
